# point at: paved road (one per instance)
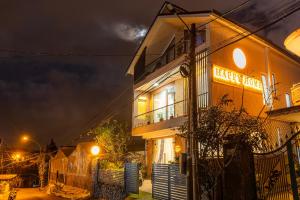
(35, 194)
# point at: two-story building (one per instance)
(252, 68)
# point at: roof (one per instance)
(67, 150)
(292, 42)
(290, 114)
(183, 14)
(6, 177)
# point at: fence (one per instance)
(168, 183)
(277, 172)
(115, 184)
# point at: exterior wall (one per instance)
(261, 60)
(286, 71)
(74, 170)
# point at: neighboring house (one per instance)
(73, 166)
(265, 71)
(59, 164)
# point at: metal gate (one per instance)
(131, 177)
(168, 183)
(277, 172)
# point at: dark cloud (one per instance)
(57, 96)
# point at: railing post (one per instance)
(152, 179)
(292, 171)
(169, 181)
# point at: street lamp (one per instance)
(26, 138)
(95, 150)
(16, 156)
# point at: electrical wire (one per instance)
(232, 42)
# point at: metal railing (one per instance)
(177, 109)
(173, 52)
(168, 112)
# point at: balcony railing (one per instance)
(173, 52)
(168, 112)
(178, 109)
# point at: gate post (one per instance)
(292, 170)
(239, 175)
(95, 191)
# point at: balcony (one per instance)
(173, 52)
(169, 112)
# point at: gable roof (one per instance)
(67, 150)
(163, 12)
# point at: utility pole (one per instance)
(193, 189)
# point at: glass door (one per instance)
(159, 106)
(164, 151)
(171, 106)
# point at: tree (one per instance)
(215, 125)
(113, 138)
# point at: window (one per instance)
(287, 100)
(267, 95)
(164, 151)
(142, 107)
(274, 85)
(200, 37)
(163, 104)
(278, 136)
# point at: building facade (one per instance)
(72, 166)
(252, 70)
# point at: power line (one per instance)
(251, 33)
(203, 25)
(232, 42)
(24, 53)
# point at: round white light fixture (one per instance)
(239, 58)
(95, 150)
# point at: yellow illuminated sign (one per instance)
(230, 77)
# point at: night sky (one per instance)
(61, 96)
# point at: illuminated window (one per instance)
(163, 104)
(274, 85)
(239, 58)
(288, 100)
(278, 136)
(267, 95)
(142, 107)
(164, 151)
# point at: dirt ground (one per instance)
(34, 194)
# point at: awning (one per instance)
(291, 114)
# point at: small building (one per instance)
(72, 166)
(59, 164)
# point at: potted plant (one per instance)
(148, 119)
(160, 117)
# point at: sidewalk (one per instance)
(145, 192)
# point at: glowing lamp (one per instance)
(177, 148)
(143, 98)
(16, 156)
(239, 58)
(25, 138)
(292, 42)
(95, 150)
